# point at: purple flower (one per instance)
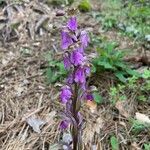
(77, 58)
(84, 39)
(87, 70)
(67, 62)
(80, 49)
(89, 97)
(80, 75)
(72, 24)
(68, 106)
(64, 124)
(65, 94)
(83, 86)
(70, 79)
(66, 40)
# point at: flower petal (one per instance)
(89, 97)
(76, 58)
(87, 71)
(70, 79)
(67, 63)
(72, 24)
(65, 94)
(80, 49)
(80, 75)
(84, 39)
(66, 40)
(64, 124)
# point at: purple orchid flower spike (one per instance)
(65, 94)
(72, 24)
(74, 42)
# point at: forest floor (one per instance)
(29, 106)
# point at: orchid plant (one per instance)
(73, 43)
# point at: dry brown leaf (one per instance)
(120, 105)
(19, 90)
(135, 146)
(50, 117)
(35, 123)
(142, 118)
(122, 123)
(91, 105)
(7, 58)
(88, 134)
(91, 129)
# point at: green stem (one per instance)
(75, 131)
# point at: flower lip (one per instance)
(80, 75)
(66, 94)
(77, 58)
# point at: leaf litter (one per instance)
(142, 118)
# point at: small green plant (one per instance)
(142, 87)
(137, 86)
(114, 143)
(85, 6)
(146, 74)
(114, 95)
(110, 59)
(97, 97)
(147, 146)
(117, 94)
(138, 126)
(55, 70)
(109, 22)
(131, 18)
